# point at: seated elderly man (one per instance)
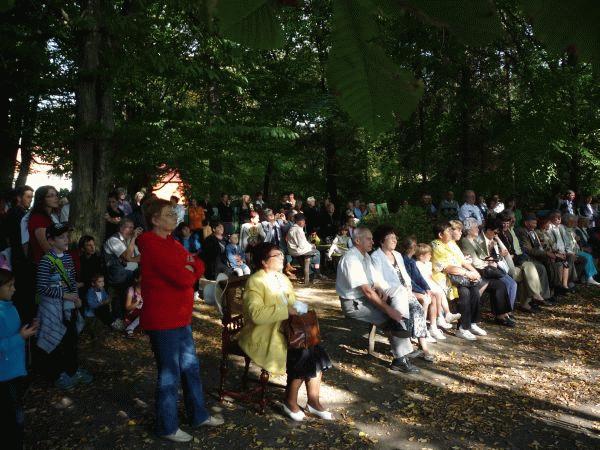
(470, 209)
(365, 296)
(299, 247)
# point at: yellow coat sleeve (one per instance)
(256, 308)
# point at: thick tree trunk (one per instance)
(95, 125)
(331, 164)
(27, 131)
(267, 179)
(464, 145)
(8, 149)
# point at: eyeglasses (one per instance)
(276, 255)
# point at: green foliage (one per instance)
(370, 87)
(251, 22)
(408, 221)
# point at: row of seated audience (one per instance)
(409, 293)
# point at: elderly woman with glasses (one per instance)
(269, 299)
(486, 258)
(169, 273)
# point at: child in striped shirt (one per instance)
(59, 317)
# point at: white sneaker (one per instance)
(430, 339)
(452, 318)
(441, 322)
(465, 334)
(179, 436)
(196, 296)
(437, 333)
(478, 331)
(212, 421)
(592, 282)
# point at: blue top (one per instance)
(231, 251)
(93, 301)
(12, 344)
(419, 285)
(191, 244)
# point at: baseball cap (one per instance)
(56, 229)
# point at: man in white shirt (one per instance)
(469, 209)
(364, 296)
(298, 246)
(122, 259)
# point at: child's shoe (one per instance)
(65, 382)
(82, 376)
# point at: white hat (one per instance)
(213, 294)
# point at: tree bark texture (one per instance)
(95, 123)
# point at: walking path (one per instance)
(535, 386)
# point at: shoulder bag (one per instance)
(302, 331)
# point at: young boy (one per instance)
(60, 321)
(235, 256)
(12, 363)
(98, 305)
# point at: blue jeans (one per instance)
(176, 360)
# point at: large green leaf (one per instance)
(370, 87)
(475, 22)
(6, 5)
(560, 24)
(251, 22)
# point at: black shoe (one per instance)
(403, 365)
(551, 301)
(505, 322)
(561, 290)
(511, 317)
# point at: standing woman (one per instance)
(44, 212)
(269, 299)
(168, 276)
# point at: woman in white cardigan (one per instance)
(388, 262)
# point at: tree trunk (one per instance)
(27, 131)
(464, 145)
(267, 179)
(8, 147)
(95, 124)
(331, 165)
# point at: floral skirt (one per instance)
(307, 362)
(418, 316)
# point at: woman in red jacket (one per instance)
(168, 276)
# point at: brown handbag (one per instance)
(302, 331)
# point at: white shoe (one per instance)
(297, 416)
(196, 296)
(437, 333)
(592, 282)
(478, 331)
(465, 334)
(441, 322)
(179, 436)
(430, 339)
(325, 415)
(212, 421)
(452, 318)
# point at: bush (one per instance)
(410, 220)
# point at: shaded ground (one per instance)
(535, 386)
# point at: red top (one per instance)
(36, 221)
(167, 286)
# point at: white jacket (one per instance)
(297, 242)
(390, 277)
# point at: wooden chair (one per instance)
(232, 323)
(372, 336)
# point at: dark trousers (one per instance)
(12, 415)
(24, 298)
(64, 357)
(498, 296)
(468, 306)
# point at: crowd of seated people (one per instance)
(418, 292)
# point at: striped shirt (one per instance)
(49, 281)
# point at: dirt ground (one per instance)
(535, 386)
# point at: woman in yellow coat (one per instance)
(269, 299)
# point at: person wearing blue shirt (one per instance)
(470, 209)
(12, 363)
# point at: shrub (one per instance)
(409, 220)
